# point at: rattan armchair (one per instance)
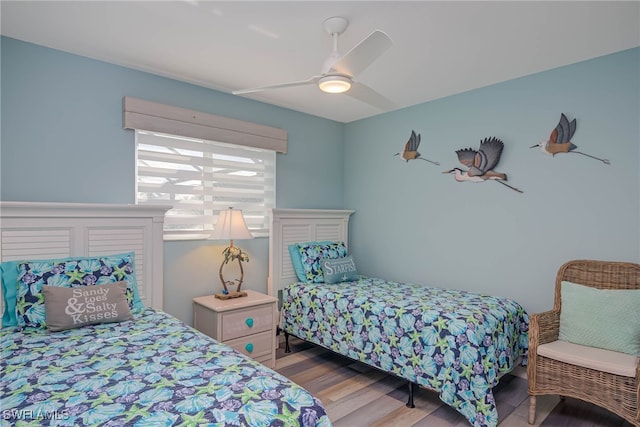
(616, 393)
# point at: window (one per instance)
(201, 164)
(199, 178)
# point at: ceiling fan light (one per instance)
(334, 84)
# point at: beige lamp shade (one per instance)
(231, 226)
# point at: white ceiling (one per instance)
(440, 47)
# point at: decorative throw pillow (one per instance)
(296, 262)
(9, 276)
(339, 270)
(603, 318)
(312, 254)
(68, 308)
(70, 272)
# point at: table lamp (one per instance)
(231, 226)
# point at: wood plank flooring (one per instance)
(356, 395)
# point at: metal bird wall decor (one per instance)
(410, 151)
(560, 140)
(480, 163)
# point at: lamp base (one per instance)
(231, 295)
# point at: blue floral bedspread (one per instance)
(153, 371)
(457, 343)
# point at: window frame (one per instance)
(237, 136)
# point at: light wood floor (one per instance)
(356, 395)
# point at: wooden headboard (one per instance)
(290, 226)
(40, 230)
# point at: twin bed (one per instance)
(150, 369)
(454, 342)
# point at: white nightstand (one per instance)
(246, 324)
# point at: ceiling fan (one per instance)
(338, 71)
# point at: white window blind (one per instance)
(217, 162)
(200, 178)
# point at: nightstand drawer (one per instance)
(252, 320)
(254, 346)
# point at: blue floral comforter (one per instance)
(457, 343)
(153, 371)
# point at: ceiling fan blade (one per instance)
(369, 96)
(312, 80)
(363, 54)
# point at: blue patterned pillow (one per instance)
(295, 258)
(312, 253)
(70, 273)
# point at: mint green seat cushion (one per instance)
(603, 318)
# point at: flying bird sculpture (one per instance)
(410, 151)
(480, 163)
(560, 140)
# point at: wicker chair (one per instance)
(616, 393)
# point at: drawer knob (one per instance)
(249, 322)
(249, 347)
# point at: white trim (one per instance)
(81, 210)
(151, 116)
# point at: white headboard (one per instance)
(40, 230)
(290, 226)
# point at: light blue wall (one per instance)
(62, 140)
(413, 223)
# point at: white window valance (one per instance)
(151, 116)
